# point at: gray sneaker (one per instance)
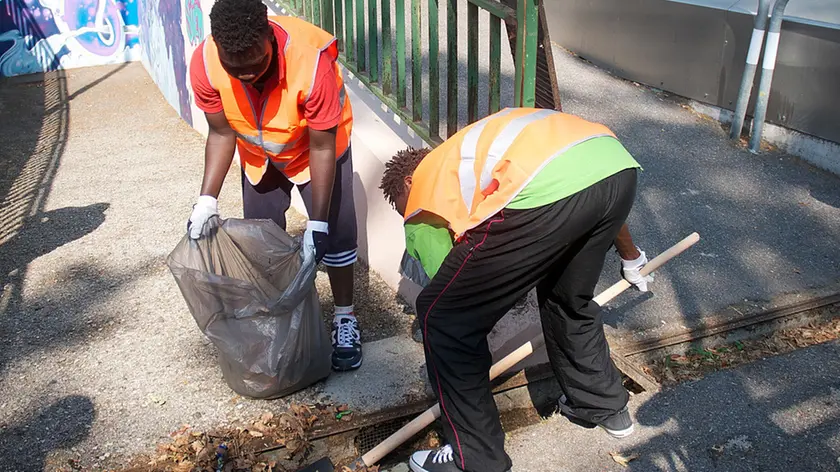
(618, 425)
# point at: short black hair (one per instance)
(238, 25)
(397, 169)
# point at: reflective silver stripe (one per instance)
(274, 148)
(466, 168)
(413, 270)
(249, 139)
(342, 93)
(277, 148)
(505, 140)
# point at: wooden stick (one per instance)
(427, 417)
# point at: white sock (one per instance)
(344, 312)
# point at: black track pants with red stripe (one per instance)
(560, 250)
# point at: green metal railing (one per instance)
(367, 52)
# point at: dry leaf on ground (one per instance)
(623, 459)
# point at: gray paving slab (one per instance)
(778, 414)
(769, 223)
(99, 357)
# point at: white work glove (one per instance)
(205, 207)
(631, 271)
(315, 239)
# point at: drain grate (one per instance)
(370, 436)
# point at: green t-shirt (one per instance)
(428, 239)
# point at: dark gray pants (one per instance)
(272, 196)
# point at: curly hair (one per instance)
(397, 169)
(238, 25)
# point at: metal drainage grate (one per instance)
(370, 436)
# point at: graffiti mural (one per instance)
(164, 52)
(195, 21)
(43, 35)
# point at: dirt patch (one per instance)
(699, 362)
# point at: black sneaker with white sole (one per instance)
(346, 343)
(441, 460)
(618, 425)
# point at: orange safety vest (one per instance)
(478, 171)
(279, 132)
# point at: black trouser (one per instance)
(560, 250)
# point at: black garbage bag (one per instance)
(253, 295)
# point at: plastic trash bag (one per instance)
(252, 294)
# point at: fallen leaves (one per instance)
(698, 362)
(191, 450)
(623, 459)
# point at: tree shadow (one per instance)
(35, 113)
(62, 425)
(769, 224)
(780, 414)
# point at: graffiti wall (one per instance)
(165, 50)
(43, 35)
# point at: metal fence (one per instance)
(367, 43)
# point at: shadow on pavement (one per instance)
(61, 425)
(779, 414)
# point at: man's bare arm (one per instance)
(218, 153)
(322, 171)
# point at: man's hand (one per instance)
(631, 271)
(315, 238)
(205, 208)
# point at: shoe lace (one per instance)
(347, 333)
(443, 455)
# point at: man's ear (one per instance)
(407, 180)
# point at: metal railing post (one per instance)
(757, 40)
(767, 69)
(526, 53)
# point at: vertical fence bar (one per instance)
(316, 14)
(339, 24)
(494, 85)
(329, 22)
(349, 51)
(360, 35)
(416, 63)
(434, 70)
(518, 57)
(472, 62)
(526, 53)
(451, 67)
(373, 41)
(386, 47)
(400, 19)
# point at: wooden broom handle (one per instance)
(427, 417)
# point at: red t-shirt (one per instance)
(322, 110)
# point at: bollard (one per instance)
(767, 69)
(759, 25)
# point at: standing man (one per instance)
(521, 199)
(271, 88)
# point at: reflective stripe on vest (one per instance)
(489, 163)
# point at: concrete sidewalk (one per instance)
(778, 414)
(101, 360)
(769, 223)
